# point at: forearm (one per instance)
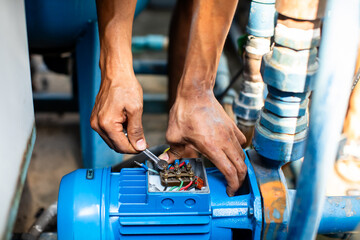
(115, 19)
(210, 26)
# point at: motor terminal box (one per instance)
(191, 171)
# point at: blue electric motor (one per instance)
(100, 204)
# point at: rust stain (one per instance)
(274, 196)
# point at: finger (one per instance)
(106, 139)
(95, 126)
(176, 151)
(114, 131)
(164, 155)
(135, 130)
(239, 135)
(227, 168)
(237, 156)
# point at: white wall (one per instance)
(16, 109)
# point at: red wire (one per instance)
(181, 164)
(186, 187)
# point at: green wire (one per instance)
(181, 184)
(173, 188)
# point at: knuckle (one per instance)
(243, 170)
(136, 131)
(170, 137)
(135, 107)
(104, 123)
(229, 170)
(235, 185)
(93, 123)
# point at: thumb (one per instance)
(135, 131)
(175, 151)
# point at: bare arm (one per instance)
(119, 101)
(197, 120)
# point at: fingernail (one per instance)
(141, 145)
(229, 193)
(164, 156)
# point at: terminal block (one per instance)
(190, 172)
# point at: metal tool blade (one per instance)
(161, 164)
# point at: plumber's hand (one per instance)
(199, 122)
(119, 103)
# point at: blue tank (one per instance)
(57, 24)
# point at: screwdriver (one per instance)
(160, 164)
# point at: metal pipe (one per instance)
(41, 223)
(340, 214)
(329, 103)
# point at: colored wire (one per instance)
(166, 186)
(173, 188)
(146, 167)
(152, 170)
(181, 184)
(181, 164)
(187, 186)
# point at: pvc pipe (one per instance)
(329, 103)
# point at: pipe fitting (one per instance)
(284, 147)
(261, 18)
(285, 109)
(288, 78)
(301, 9)
(298, 39)
(287, 125)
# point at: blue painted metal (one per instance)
(150, 42)
(279, 147)
(250, 100)
(275, 198)
(290, 70)
(111, 205)
(288, 96)
(329, 104)
(222, 80)
(119, 206)
(95, 152)
(279, 124)
(150, 67)
(340, 214)
(261, 18)
(280, 133)
(57, 24)
(285, 108)
(298, 39)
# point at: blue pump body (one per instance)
(101, 204)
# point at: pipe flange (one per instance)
(279, 147)
(298, 39)
(288, 125)
(285, 109)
